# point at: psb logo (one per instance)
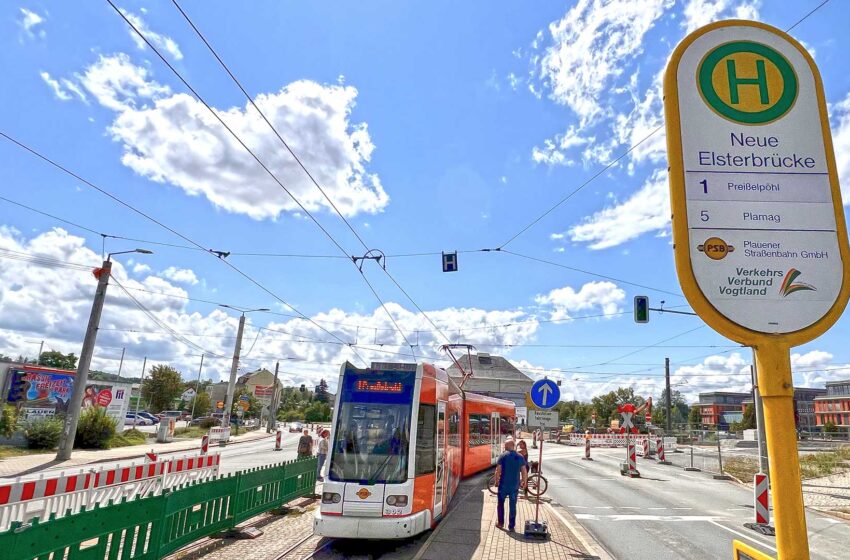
(363, 493)
(715, 248)
(747, 82)
(789, 286)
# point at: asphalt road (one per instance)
(667, 513)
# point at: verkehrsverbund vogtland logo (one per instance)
(788, 286)
(747, 83)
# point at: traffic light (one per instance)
(641, 309)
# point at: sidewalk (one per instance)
(28, 464)
(469, 531)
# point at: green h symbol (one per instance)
(734, 81)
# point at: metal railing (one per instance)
(152, 527)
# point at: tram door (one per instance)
(440, 475)
(495, 437)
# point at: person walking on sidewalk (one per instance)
(511, 475)
(305, 445)
(323, 454)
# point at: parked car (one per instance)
(134, 420)
(202, 419)
(295, 427)
(176, 414)
(145, 414)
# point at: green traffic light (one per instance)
(641, 309)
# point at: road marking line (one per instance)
(587, 545)
(643, 517)
(689, 476)
(688, 508)
(742, 535)
(656, 508)
(574, 506)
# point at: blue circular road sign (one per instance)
(545, 393)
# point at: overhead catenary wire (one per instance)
(161, 224)
(297, 160)
(256, 158)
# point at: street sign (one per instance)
(545, 394)
(648, 417)
(219, 404)
(244, 398)
(543, 419)
(521, 414)
(244, 405)
(758, 225)
(450, 262)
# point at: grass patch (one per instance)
(190, 432)
(7, 451)
(742, 468)
(128, 438)
(824, 464)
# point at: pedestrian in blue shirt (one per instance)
(511, 475)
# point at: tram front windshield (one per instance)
(371, 440)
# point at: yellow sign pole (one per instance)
(773, 364)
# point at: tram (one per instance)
(403, 436)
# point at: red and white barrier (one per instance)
(277, 439)
(205, 444)
(221, 435)
(631, 460)
(760, 490)
(69, 492)
(619, 440)
(662, 456)
(587, 450)
(646, 451)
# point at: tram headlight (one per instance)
(331, 498)
(398, 501)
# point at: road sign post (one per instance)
(758, 225)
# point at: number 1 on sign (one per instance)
(704, 184)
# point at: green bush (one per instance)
(129, 437)
(208, 423)
(94, 429)
(43, 433)
(8, 421)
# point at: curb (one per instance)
(592, 545)
(140, 455)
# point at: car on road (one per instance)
(132, 419)
(145, 414)
(204, 419)
(295, 427)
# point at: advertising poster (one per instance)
(40, 392)
(114, 397)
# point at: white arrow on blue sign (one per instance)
(545, 393)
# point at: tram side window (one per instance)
(426, 433)
(507, 427)
(485, 430)
(474, 435)
(454, 430)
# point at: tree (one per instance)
(606, 405)
(58, 360)
(200, 404)
(255, 407)
(322, 393)
(162, 387)
(695, 417)
(829, 427)
(748, 422)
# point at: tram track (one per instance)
(291, 552)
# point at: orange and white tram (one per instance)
(403, 436)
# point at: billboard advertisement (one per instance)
(40, 391)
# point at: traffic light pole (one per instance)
(231, 385)
(72, 418)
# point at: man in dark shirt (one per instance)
(511, 475)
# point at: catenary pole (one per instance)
(141, 384)
(272, 423)
(69, 431)
(669, 399)
(197, 388)
(231, 385)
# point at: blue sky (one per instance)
(433, 127)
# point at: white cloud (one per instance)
(29, 22)
(646, 210)
(591, 45)
(604, 296)
(118, 84)
(54, 304)
(698, 13)
(53, 84)
(161, 42)
(172, 138)
(140, 268)
(181, 275)
(840, 117)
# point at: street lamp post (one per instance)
(231, 385)
(72, 417)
